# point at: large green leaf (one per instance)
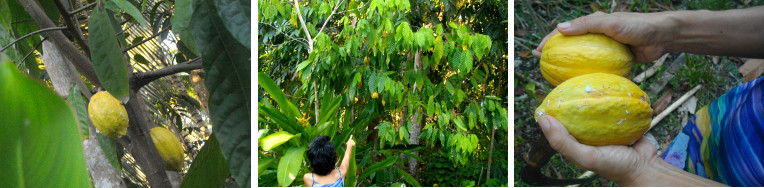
(289, 165)
(377, 166)
(235, 16)
(227, 65)
(263, 164)
(209, 168)
(274, 91)
(275, 139)
(461, 61)
(109, 148)
(77, 102)
(132, 11)
(106, 54)
(41, 144)
(180, 21)
(408, 178)
(22, 27)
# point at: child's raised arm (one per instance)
(346, 159)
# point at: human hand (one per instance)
(350, 142)
(647, 34)
(622, 164)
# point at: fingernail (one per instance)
(563, 25)
(544, 123)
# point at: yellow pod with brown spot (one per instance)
(599, 109)
(169, 148)
(108, 114)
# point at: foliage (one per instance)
(380, 65)
(31, 114)
(227, 65)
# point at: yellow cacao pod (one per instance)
(599, 109)
(565, 57)
(374, 95)
(108, 115)
(169, 148)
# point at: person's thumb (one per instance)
(593, 23)
(561, 140)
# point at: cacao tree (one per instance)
(400, 76)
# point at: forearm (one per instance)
(346, 159)
(661, 173)
(730, 33)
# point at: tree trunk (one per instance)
(61, 73)
(490, 154)
(142, 147)
(415, 126)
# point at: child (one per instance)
(322, 159)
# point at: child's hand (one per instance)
(350, 142)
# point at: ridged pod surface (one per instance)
(599, 109)
(565, 57)
(108, 115)
(169, 148)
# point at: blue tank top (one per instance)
(337, 183)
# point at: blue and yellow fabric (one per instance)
(724, 141)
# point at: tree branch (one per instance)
(329, 18)
(81, 9)
(80, 61)
(140, 79)
(304, 28)
(73, 28)
(30, 34)
(146, 40)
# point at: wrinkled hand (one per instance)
(350, 142)
(622, 164)
(645, 33)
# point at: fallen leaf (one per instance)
(662, 102)
(715, 59)
(524, 53)
(752, 69)
(689, 105)
(685, 118)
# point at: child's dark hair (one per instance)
(321, 155)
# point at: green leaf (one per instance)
(227, 65)
(481, 45)
(274, 91)
(31, 114)
(275, 139)
(235, 16)
(328, 109)
(262, 165)
(140, 59)
(386, 133)
(107, 55)
(461, 61)
(109, 148)
(377, 166)
(132, 11)
(182, 15)
(209, 168)
(408, 178)
(437, 50)
(403, 33)
(459, 124)
(289, 165)
(77, 102)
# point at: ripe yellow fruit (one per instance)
(108, 114)
(383, 102)
(356, 99)
(374, 95)
(169, 148)
(565, 57)
(599, 109)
